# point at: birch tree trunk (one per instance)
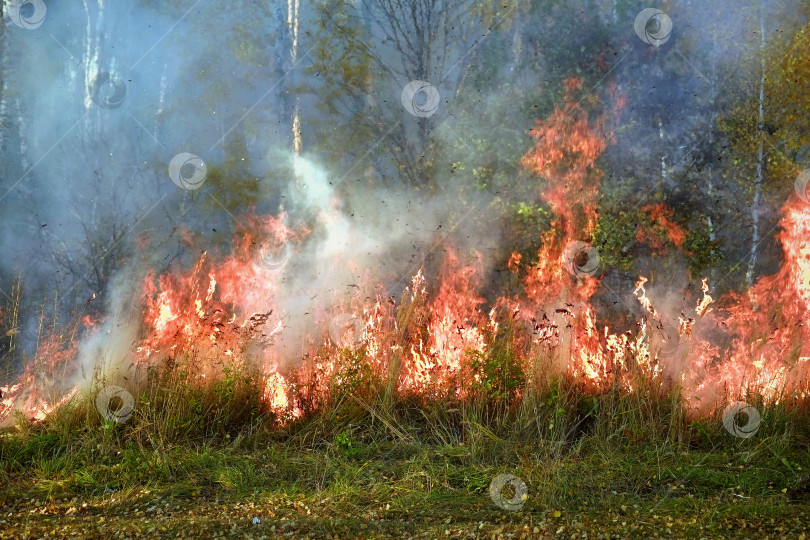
(11, 113)
(292, 24)
(758, 185)
(710, 188)
(663, 151)
(282, 66)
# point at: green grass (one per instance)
(371, 466)
(595, 480)
(200, 457)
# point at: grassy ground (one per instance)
(397, 490)
(614, 465)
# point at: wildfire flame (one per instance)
(224, 310)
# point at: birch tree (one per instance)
(752, 262)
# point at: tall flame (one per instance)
(226, 310)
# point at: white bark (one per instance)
(292, 23)
(710, 188)
(663, 152)
(90, 59)
(164, 80)
(22, 127)
(760, 153)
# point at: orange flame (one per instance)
(224, 310)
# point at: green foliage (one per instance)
(341, 64)
(786, 124)
(588, 406)
(702, 252)
(355, 376)
(347, 446)
(523, 229)
(233, 184)
(497, 375)
(500, 12)
(624, 236)
(614, 236)
(788, 133)
(554, 397)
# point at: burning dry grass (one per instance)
(222, 355)
(393, 432)
(371, 465)
(508, 401)
(417, 366)
(242, 312)
(366, 456)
